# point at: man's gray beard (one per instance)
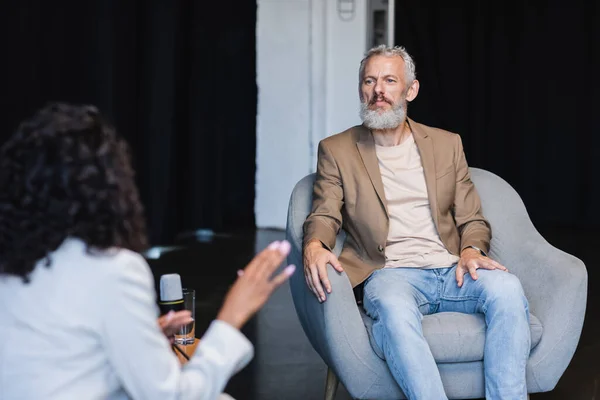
(375, 119)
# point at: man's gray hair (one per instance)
(410, 73)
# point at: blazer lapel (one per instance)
(366, 149)
(425, 146)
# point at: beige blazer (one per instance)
(348, 193)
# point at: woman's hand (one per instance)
(172, 322)
(255, 285)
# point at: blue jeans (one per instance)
(397, 299)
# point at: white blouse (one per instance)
(86, 328)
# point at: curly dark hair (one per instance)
(65, 173)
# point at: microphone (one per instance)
(171, 299)
(171, 294)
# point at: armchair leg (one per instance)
(331, 385)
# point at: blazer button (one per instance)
(380, 248)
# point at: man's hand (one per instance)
(316, 258)
(470, 261)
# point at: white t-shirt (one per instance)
(413, 240)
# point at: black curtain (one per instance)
(519, 81)
(177, 78)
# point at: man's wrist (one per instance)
(313, 242)
(473, 248)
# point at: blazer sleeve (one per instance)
(325, 219)
(141, 355)
(473, 228)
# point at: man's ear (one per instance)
(412, 91)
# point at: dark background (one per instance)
(518, 80)
(178, 80)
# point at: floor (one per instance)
(285, 366)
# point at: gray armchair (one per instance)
(555, 284)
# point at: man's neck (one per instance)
(392, 137)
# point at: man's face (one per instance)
(384, 92)
(383, 84)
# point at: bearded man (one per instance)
(417, 240)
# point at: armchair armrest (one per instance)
(554, 282)
(336, 330)
(335, 327)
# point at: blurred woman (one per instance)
(78, 313)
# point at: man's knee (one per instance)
(505, 288)
(396, 325)
(402, 301)
(399, 313)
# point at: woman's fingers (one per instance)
(267, 261)
(283, 276)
